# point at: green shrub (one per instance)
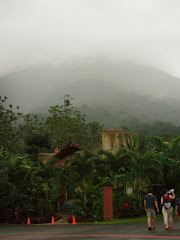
(95, 204)
(126, 206)
(78, 208)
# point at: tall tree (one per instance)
(120, 162)
(67, 124)
(8, 118)
(82, 165)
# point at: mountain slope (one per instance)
(98, 82)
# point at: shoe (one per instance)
(170, 226)
(153, 228)
(149, 228)
(166, 228)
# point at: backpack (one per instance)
(167, 203)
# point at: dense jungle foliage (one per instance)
(31, 186)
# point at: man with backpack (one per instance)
(167, 209)
(150, 204)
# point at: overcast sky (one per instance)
(141, 31)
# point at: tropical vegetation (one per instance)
(31, 186)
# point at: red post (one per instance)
(108, 203)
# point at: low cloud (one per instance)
(55, 31)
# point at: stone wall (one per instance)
(111, 142)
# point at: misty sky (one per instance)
(57, 31)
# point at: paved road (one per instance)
(130, 231)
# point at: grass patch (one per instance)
(125, 220)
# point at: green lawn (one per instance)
(126, 220)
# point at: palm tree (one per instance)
(147, 170)
(46, 172)
(147, 155)
(135, 143)
(174, 148)
(157, 145)
(120, 162)
(82, 165)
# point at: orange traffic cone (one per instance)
(28, 221)
(52, 222)
(74, 220)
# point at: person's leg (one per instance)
(149, 218)
(170, 219)
(149, 222)
(153, 218)
(153, 222)
(165, 216)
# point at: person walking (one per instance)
(177, 207)
(167, 209)
(150, 204)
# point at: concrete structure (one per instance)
(110, 140)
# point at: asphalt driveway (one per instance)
(130, 231)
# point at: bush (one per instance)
(87, 220)
(34, 221)
(126, 206)
(45, 220)
(17, 221)
(95, 204)
(78, 208)
(69, 220)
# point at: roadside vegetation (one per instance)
(31, 187)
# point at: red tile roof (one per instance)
(69, 149)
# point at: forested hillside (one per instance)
(115, 94)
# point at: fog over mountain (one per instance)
(94, 82)
(143, 32)
(120, 88)
(116, 58)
